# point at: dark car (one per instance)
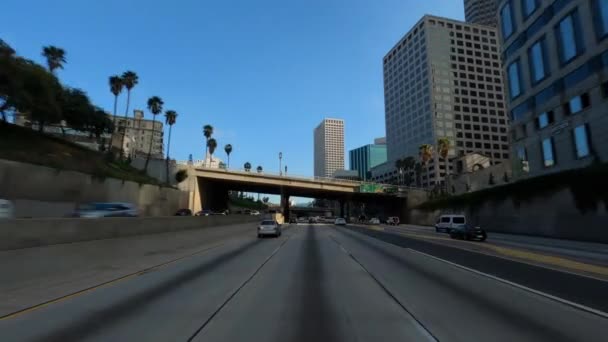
(293, 219)
(183, 212)
(468, 232)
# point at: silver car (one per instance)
(269, 227)
(96, 210)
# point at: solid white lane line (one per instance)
(519, 286)
(421, 328)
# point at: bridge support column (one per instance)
(342, 208)
(285, 205)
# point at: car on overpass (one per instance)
(269, 227)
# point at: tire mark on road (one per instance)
(88, 325)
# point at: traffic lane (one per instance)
(458, 305)
(169, 303)
(31, 276)
(579, 289)
(312, 291)
(591, 252)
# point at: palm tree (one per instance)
(260, 169)
(247, 166)
(207, 132)
(426, 154)
(409, 164)
(228, 150)
(129, 80)
(443, 148)
(211, 145)
(418, 172)
(155, 105)
(116, 86)
(55, 57)
(170, 118)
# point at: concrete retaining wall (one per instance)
(24, 233)
(555, 216)
(26, 183)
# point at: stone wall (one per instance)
(554, 216)
(40, 191)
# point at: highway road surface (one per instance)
(323, 283)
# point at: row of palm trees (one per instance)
(128, 80)
(426, 153)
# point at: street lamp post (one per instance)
(285, 170)
(280, 163)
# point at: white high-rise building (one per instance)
(329, 147)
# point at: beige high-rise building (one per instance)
(138, 135)
(329, 147)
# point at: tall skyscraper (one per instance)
(444, 79)
(483, 12)
(556, 59)
(329, 147)
(362, 159)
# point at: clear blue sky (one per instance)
(264, 73)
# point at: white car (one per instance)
(7, 210)
(374, 221)
(445, 223)
(340, 221)
(254, 213)
(269, 227)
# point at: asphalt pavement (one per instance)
(318, 283)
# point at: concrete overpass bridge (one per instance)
(210, 187)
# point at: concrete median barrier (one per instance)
(25, 233)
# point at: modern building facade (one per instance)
(139, 132)
(556, 64)
(444, 79)
(329, 147)
(483, 12)
(364, 158)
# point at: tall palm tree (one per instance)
(155, 105)
(426, 154)
(409, 164)
(55, 57)
(211, 145)
(443, 148)
(116, 86)
(418, 172)
(129, 80)
(228, 150)
(207, 132)
(260, 169)
(170, 118)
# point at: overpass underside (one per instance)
(213, 194)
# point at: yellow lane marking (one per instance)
(535, 257)
(110, 282)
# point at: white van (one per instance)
(6, 209)
(445, 223)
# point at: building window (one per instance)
(547, 147)
(569, 39)
(581, 141)
(528, 7)
(601, 18)
(507, 22)
(514, 79)
(544, 120)
(538, 61)
(577, 104)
